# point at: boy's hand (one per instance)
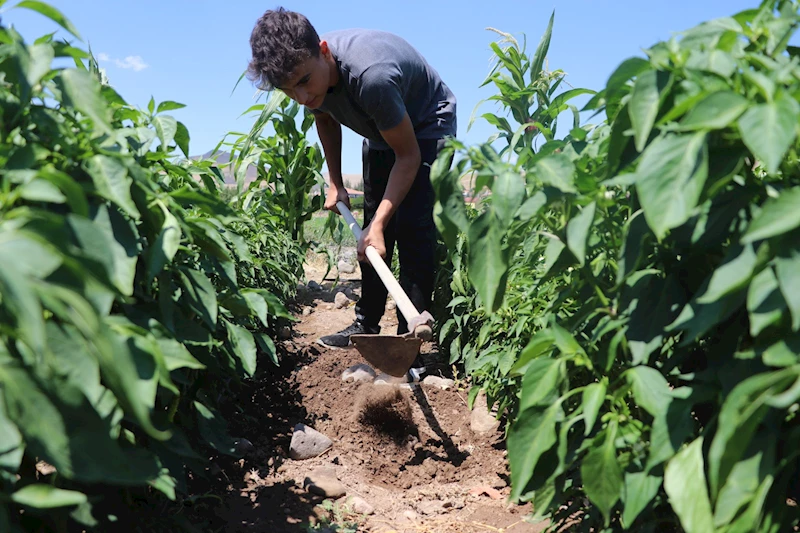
(371, 236)
(336, 194)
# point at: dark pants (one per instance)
(411, 227)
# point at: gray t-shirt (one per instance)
(381, 76)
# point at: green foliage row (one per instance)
(628, 293)
(131, 294)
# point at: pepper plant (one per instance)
(131, 294)
(655, 382)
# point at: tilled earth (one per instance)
(413, 460)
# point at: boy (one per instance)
(378, 85)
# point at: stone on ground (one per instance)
(324, 482)
(345, 267)
(359, 373)
(436, 381)
(307, 443)
(341, 300)
(361, 506)
(481, 420)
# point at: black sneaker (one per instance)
(341, 339)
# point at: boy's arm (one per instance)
(403, 142)
(330, 134)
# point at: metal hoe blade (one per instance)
(393, 354)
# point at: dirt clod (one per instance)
(386, 410)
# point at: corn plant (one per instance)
(658, 379)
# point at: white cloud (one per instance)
(130, 62)
(134, 62)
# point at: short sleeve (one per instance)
(380, 95)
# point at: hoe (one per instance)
(393, 354)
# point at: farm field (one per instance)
(617, 306)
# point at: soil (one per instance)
(409, 452)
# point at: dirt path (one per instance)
(417, 464)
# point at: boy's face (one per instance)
(309, 82)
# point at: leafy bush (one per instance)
(131, 294)
(628, 293)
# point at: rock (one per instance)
(307, 443)
(359, 373)
(341, 300)
(410, 515)
(244, 446)
(323, 482)
(430, 508)
(307, 311)
(345, 267)
(481, 420)
(285, 333)
(360, 506)
(314, 286)
(436, 381)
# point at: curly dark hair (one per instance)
(280, 41)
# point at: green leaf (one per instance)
(19, 298)
(743, 410)
(166, 128)
(256, 304)
(200, 295)
(530, 436)
(640, 489)
(39, 190)
(685, 485)
(594, 395)
(267, 346)
(537, 62)
(744, 480)
(488, 260)
(602, 475)
(508, 191)
(36, 62)
(769, 129)
(166, 246)
(52, 13)
(42, 496)
(61, 427)
(244, 346)
(214, 430)
(531, 207)
(557, 170)
(540, 383)
(650, 389)
(732, 275)
(787, 270)
(182, 138)
(646, 98)
(541, 341)
(715, 112)
(81, 91)
(169, 105)
(671, 176)
(578, 232)
(111, 181)
(777, 216)
(764, 301)
(636, 231)
(177, 356)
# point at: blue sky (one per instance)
(193, 51)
